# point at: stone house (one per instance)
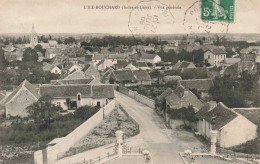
(22, 97)
(233, 128)
(103, 64)
(51, 68)
(182, 97)
(131, 77)
(182, 65)
(201, 85)
(76, 95)
(72, 67)
(150, 58)
(90, 71)
(52, 52)
(215, 57)
(74, 75)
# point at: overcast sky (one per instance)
(69, 16)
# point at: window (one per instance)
(208, 56)
(58, 103)
(65, 103)
(79, 97)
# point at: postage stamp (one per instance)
(218, 10)
(193, 23)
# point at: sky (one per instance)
(69, 16)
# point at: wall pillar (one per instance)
(119, 140)
(213, 134)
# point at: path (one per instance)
(163, 143)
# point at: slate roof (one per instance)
(217, 51)
(223, 115)
(30, 87)
(67, 91)
(199, 84)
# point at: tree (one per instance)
(70, 40)
(38, 48)
(43, 111)
(30, 54)
(85, 112)
(3, 62)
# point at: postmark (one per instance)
(218, 10)
(193, 24)
(150, 17)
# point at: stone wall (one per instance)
(138, 97)
(71, 139)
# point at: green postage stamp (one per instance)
(217, 10)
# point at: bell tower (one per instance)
(33, 38)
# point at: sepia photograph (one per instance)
(129, 82)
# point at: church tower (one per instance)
(33, 38)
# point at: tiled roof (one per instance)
(183, 98)
(166, 93)
(47, 67)
(102, 91)
(71, 81)
(30, 87)
(223, 115)
(252, 115)
(199, 84)
(131, 75)
(66, 91)
(141, 75)
(124, 75)
(148, 56)
(208, 106)
(201, 71)
(121, 64)
(76, 75)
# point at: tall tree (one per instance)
(43, 111)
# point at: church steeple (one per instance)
(33, 38)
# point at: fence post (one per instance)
(90, 161)
(99, 159)
(108, 155)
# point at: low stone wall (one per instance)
(138, 97)
(54, 151)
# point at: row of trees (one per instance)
(234, 92)
(196, 56)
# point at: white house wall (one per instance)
(17, 106)
(238, 131)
